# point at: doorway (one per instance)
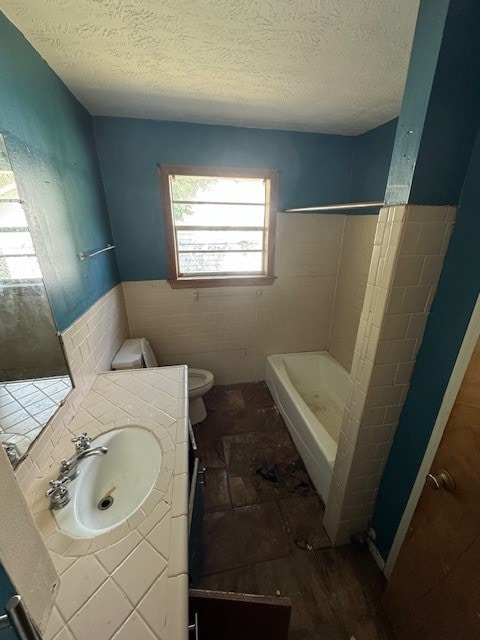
(434, 589)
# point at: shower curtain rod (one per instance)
(337, 207)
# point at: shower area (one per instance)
(342, 404)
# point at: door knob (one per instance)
(441, 480)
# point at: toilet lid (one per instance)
(129, 355)
(148, 355)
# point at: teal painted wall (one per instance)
(457, 293)
(453, 115)
(50, 139)
(313, 169)
(444, 170)
(440, 111)
(371, 163)
(421, 71)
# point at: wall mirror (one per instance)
(34, 376)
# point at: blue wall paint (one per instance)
(53, 152)
(440, 111)
(457, 292)
(51, 144)
(371, 163)
(434, 177)
(453, 115)
(314, 169)
(423, 63)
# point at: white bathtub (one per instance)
(310, 391)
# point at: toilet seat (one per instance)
(199, 378)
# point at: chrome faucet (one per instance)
(82, 441)
(12, 453)
(58, 492)
(69, 468)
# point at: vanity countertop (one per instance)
(131, 582)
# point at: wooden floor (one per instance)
(262, 529)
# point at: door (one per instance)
(434, 590)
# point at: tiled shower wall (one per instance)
(230, 330)
(410, 246)
(353, 269)
(90, 344)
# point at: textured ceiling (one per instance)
(336, 66)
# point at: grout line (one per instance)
(335, 290)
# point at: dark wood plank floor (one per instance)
(262, 527)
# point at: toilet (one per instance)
(136, 353)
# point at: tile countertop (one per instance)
(131, 582)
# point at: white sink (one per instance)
(126, 474)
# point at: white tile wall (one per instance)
(353, 270)
(90, 344)
(230, 330)
(410, 245)
(92, 340)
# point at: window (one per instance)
(220, 225)
(18, 262)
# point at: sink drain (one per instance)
(105, 503)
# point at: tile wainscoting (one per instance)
(357, 246)
(230, 330)
(410, 246)
(90, 344)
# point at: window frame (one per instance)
(7, 282)
(177, 281)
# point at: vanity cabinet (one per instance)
(195, 506)
(216, 615)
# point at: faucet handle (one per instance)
(82, 441)
(12, 452)
(58, 493)
(64, 466)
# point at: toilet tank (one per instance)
(129, 356)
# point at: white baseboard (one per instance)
(376, 554)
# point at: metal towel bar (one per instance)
(337, 207)
(82, 255)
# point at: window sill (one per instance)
(222, 281)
